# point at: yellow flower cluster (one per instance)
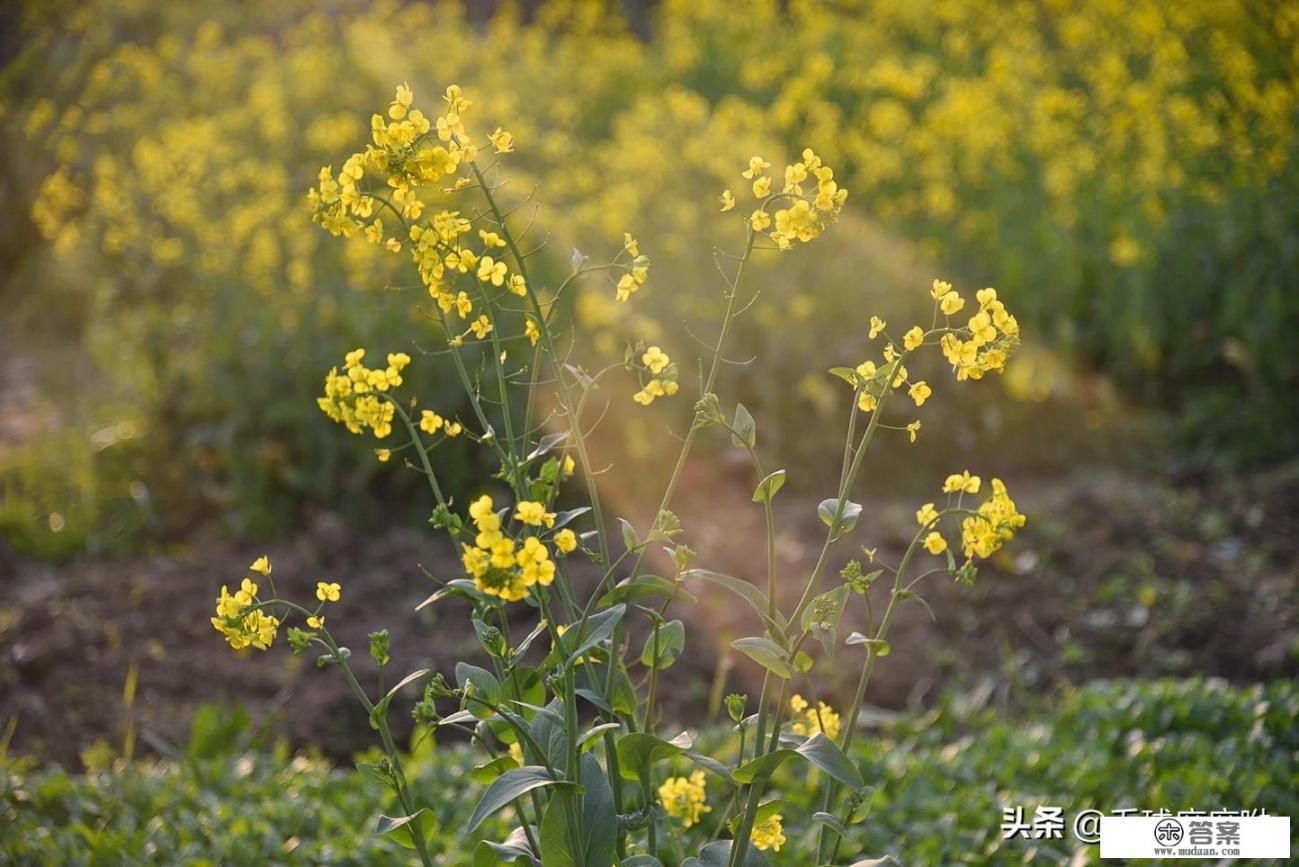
(962, 483)
(807, 721)
(238, 620)
(874, 382)
(684, 798)
(961, 121)
(636, 273)
(409, 152)
(663, 376)
(987, 339)
(499, 565)
(326, 591)
(352, 397)
(994, 525)
(983, 344)
(807, 209)
(769, 833)
(982, 533)
(403, 152)
(430, 422)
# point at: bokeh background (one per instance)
(1125, 173)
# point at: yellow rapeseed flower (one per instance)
(566, 541)
(533, 514)
(807, 721)
(430, 422)
(962, 482)
(926, 515)
(769, 834)
(935, 543)
(655, 359)
(920, 392)
(683, 798)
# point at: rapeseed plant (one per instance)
(439, 187)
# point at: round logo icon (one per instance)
(1168, 832)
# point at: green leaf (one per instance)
(847, 520)
(526, 683)
(848, 375)
(879, 646)
(485, 773)
(599, 626)
(822, 616)
(485, 686)
(671, 640)
(710, 764)
(763, 813)
(556, 846)
(508, 786)
(768, 487)
(629, 537)
(640, 861)
(595, 698)
(374, 771)
(744, 428)
(826, 608)
(642, 586)
(569, 516)
(490, 637)
(513, 850)
(547, 730)
(818, 750)
(548, 442)
(766, 653)
(718, 854)
(744, 590)
(595, 731)
(600, 819)
(526, 643)
(405, 830)
(803, 662)
(640, 751)
(382, 707)
(333, 658)
(831, 821)
(461, 587)
(593, 677)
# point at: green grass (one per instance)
(940, 784)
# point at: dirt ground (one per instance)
(1115, 576)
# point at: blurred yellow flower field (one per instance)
(611, 371)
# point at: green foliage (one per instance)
(938, 786)
(1180, 745)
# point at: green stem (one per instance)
(593, 494)
(850, 727)
(399, 782)
(845, 487)
(653, 681)
(419, 449)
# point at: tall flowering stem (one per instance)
(514, 544)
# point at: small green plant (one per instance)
(566, 716)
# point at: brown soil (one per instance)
(1114, 576)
